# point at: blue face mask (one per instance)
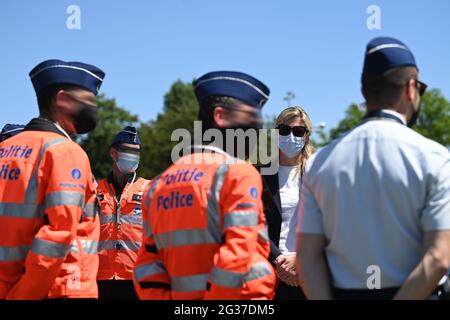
(127, 162)
(291, 145)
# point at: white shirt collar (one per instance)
(396, 114)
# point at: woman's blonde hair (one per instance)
(297, 112)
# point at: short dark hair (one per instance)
(45, 96)
(206, 111)
(386, 89)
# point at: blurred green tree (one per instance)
(179, 111)
(112, 119)
(433, 122)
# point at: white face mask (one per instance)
(290, 145)
(127, 162)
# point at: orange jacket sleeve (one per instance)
(241, 210)
(151, 279)
(63, 177)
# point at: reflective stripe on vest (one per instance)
(212, 208)
(90, 210)
(240, 219)
(258, 270)
(88, 246)
(232, 279)
(12, 254)
(64, 198)
(147, 228)
(130, 218)
(147, 270)
(263, 235)
(50, 248)
(189, 283)
(119, 245)
(183, 238)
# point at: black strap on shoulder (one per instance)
(380, 114)
(154, 285)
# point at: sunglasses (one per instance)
(422, 87)
(285, 130)
(124, 149)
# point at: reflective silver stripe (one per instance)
(31, 193)
(148, 270)
(88, 246)
(212, 208)
(228, 279)
(240, 219)
(50, 248)
(147, 228)
(183, 238)
(64, 198)
(19, 210)
(189, 283)
(107, 218)
(151, 191)
(132, 218)
(12, 254)
(258, 270)
(119, 245)
(263, 235)
(90, 210)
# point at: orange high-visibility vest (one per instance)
(48, 225)
(120, 229)
(205, 235)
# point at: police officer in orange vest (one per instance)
(205, 234)
(120, 198)
(10, 130)
(48, 224)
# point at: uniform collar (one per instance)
(385, 114)
(396, 114)
(117, 188)
(41, 124)
(110, 178)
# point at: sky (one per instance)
(313, 48)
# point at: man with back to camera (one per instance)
(378, 198)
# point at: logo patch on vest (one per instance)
(137, 197)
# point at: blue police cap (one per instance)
(79, 74)
(233, 84)
(384, 53)
(127, 135)
(10, 130)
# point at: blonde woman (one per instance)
(281, 196)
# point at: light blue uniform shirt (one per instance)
(373, 193)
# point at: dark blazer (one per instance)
(272, 210)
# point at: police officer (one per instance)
(48, 225)
(375, 215)
(10, 130)
(205, 235)
(120, 197)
